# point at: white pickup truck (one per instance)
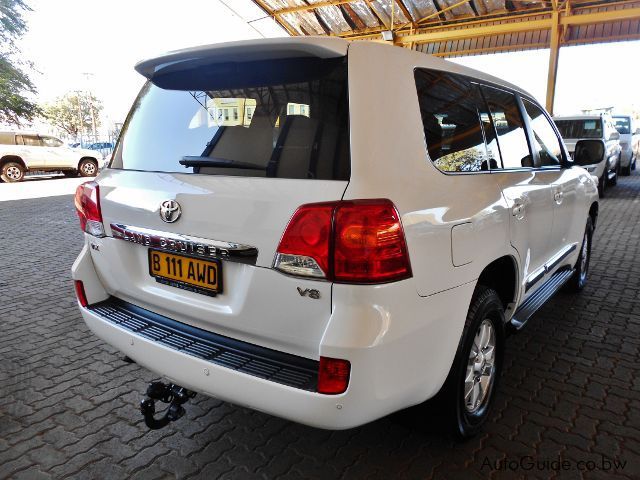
(21, 152)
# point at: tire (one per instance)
(614, 181)
(88, 167)
(465, 415)
(602, 185)
(12, 172)
(579, 278)
(633, 162)
(70, 173)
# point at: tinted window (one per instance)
(7, 138)
(448, 106)
(509, 127)
(288, 120)
(51, 142)
(32, 140)
(584, 128)
(623, 125)
(491, 138)
(545, 140)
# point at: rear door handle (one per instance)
(558, 196)
(518, 211)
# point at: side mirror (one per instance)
(588, 152)
(637, 132)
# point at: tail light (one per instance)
(82, 297)
(357, 241)
(87, 202)
(333, 375)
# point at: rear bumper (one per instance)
(323, 411)
(279, 367)
(400, 346)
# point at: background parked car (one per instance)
(105, 148)
(629, 142)
(592, 127)
(21, 152)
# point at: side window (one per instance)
(490, 135)
(7, 138)
(51, 142)
(32, 140)
(452, 130)
(509, 127)
(545, 140)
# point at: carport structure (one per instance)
(448, 28)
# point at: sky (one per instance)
(68, 38)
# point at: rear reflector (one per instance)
(82, 297)
(356, 241)
(333, 375)
(87, 201)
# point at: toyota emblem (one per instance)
(170, 211)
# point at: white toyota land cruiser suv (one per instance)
(21, 152)
(328, 231)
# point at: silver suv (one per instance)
(594, 127)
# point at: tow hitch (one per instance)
(174, 395)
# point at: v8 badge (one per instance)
(309, 292)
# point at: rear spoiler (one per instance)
(245, 51)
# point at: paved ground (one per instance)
(68, 403)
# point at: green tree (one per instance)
(73, 112)
(15, 85)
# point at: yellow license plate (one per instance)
(188, 273)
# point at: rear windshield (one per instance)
(587, 128)
(623, 125)
(285, 119)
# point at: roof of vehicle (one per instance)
(21, 132)
(288, 47)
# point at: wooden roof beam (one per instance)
(516, 27)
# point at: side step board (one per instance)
(539, 298)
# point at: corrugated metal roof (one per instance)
(367, 19)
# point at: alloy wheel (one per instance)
(13, 173)
(584, 257)
(89, 168)
(481, 367)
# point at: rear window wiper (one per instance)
(195, 161)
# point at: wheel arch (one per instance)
(502, 276)
(12, 158)
(593, 213)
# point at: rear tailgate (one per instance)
(236, 147)
(257, 304)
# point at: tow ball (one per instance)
(174, 395)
